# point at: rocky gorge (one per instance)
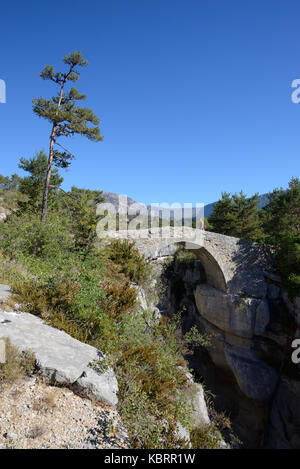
(227, 288)
(251, 325)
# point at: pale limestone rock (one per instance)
(243, 317)
(200, 416)
(255, 378)
(60, 358)
(4, 292)
(262, 317)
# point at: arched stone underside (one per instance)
(213, 271)
(232, 265)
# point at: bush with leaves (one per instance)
(9, 192)
(147, 359)
(80, 205)
(132, 264)
(26, 235)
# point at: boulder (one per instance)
(297, 310)
(61, 359)
(240, 316)
(183, 434)
(97, 386)
(285, 417)
(3, 213)
(256, 379)
(262, 317)
(195, 395)
(200, 416)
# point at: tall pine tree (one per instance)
(220, 220)
(282, 227)
(246, 218)
(65, 116)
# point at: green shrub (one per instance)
(132, 264)
(68, 283)
(120, 298)
(43, 298)
(9, 193)
(81, 205)
(88, 294)
(288, 262)
(152, 383)
(205, 438)
(28, 236)
(10, 270)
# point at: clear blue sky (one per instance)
(194, 96)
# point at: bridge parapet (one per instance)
(231, 264)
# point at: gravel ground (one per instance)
(36, 415)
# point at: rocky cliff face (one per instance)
(200, 416)
(248, 365)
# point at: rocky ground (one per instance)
(36, 415)
(70, 403)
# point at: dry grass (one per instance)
(18, 364)
(8, 304)
(46, 402)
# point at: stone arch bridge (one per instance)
(231, 264)
(239, 306)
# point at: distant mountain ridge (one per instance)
(163, 213)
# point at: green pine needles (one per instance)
(65, 116)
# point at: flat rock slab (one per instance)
(60, 358)
(4, 292)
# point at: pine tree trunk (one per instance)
(48, 177)
(50, 160)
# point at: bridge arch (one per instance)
(213, 271)
(232, 265)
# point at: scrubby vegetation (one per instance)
(58, 271)
(132, 264)
(17, 364)
(9, 192)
